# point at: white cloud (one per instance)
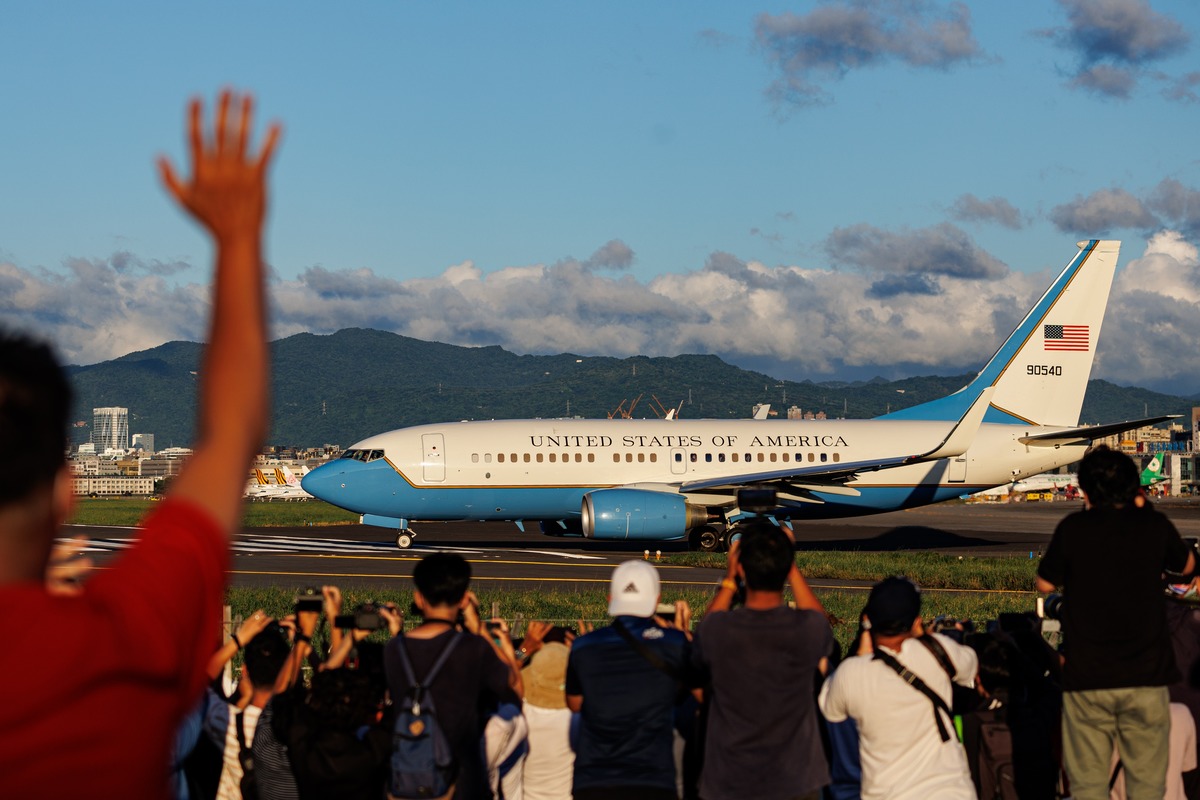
(789, 321)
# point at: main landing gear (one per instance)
(707, 539)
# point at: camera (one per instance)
(1050, 606)
(757, 500)
(309, 599)
(365, 618)
(665, 610)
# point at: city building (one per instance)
(110, 428)
(144, 442)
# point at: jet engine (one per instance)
(639, 514)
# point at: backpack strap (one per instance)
(654, 658)
(913, 680)
(418, 688)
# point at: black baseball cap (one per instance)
(893, 605)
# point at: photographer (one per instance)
(1109, 560)
(480, 673)
(762, 662)
(898, 690)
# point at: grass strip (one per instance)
(129, 511)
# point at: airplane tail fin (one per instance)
(1152, 474)
(1041, 371)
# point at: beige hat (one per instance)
(545, 678)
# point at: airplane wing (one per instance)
(830, 477)
(1087, 433)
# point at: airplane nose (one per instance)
(323, 482)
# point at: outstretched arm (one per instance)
(227, 195)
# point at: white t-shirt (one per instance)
(223, 714)
(551, 761)
(902, 754)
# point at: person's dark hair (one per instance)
(442, 578)
(266, 654)
(1108, 478)
(35, 402)
(348, 698)
(766, 555)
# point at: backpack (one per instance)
(422, 763)
(997, 777)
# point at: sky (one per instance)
(817, 190)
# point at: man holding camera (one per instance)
(898, 691)
(762, 661)
(1109, 560)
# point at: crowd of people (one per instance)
(111, 686)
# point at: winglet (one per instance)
(959, 440)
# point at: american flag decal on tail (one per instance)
(1066, 337)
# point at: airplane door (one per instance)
(958, 470)
(433, 464)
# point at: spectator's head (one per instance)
(893, 606)
(634, 590)
(442, 579)
(265, 655)
(545, 678)
(765, 555)
(1108, 478)
(35, 402)
(350, 697)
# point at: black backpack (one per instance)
(422, 763)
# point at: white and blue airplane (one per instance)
(628, 479)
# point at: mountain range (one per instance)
(342, 387)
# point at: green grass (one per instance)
(929, 570)
(129, 511)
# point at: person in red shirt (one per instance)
(94, 682)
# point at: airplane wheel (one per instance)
(404, 540)
(706, 540)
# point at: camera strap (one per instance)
(913, 680)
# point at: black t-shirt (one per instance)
(1109, 563)
(763, 738)
(472, 683)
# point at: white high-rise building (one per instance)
(110, 428)
(145, 441)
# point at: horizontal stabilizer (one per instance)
(1089, 433)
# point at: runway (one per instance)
(503, 556)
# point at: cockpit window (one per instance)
(363, 455)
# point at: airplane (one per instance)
(282, 485)
(656, 480)
(1047, 482)
(1152, 474)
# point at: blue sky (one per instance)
(816, 190)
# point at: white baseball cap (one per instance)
(634, 590)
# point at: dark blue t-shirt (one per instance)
(626, 723)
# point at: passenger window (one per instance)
(824, 457)
(837, 457)
(512, 457)
(591, 457)
(654, 458)
(773, 457)
(538, 458)
(616, 458)
(578, 458)
(786, 456)
(692, 457)
(678, 457)
(527, 459)
(629, 458)
(811, 458)
(474, 458)
(487, 458)
(734, 457)
(721, 457)
(552, 457)
(641, 458)
(500, 457)
(708, 457)
(761, 458)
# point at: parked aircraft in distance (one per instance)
(1046, 482)
(656, 479)
(275, 483)
(1152, 474)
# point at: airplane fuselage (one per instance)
(541, 469)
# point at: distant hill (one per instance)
(345, 386)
